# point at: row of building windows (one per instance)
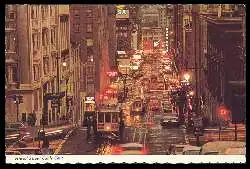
(89, 27)
(45, 38)
(89, 13)
(46, 10)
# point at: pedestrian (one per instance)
(121, 128)
(45, 146)
(94, 125)
(88, 127)
(171, 149)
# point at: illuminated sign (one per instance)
(112, 74)
(121, 52)
(90, 100)
(122, 12)
(156, 43)
(166, 42)
(137, 57)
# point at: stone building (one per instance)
(37, 36)
(218, 48)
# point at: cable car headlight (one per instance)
(107, 127)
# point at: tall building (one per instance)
(150, 16)
(218, 49)
(36, 43)
(93, 27)
(124, 28)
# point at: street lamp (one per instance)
(64, 64)
(186, 76)
(191, 93)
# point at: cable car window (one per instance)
(107, 117)
(100, 117)
(114, 118)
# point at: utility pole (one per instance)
(58, 80)
(195, 10)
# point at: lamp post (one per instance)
(58, 81)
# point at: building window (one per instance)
(125, 34)
(10, 43)
(77, 27)
(36, 72)
(11, 15)
(44, 11)
(53, 36)
(45, 37)
(45, 66)
(89, 13)
(89, 42)
(90, 52)
(35, 41)
(34, 11)
(14, 74)
(89, 28)
(77, 13)
(52, 10)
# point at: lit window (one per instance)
(89, 42)
(89, 28)
(11, 15)
(77, 27)
(89, 13)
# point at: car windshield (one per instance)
(132, 148)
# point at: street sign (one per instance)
(197, 122)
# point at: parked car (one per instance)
(220, 147)
(169, 120)
(236, 151)
(130, 149)
(12, 153)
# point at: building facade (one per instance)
(93, 28)
(37, 36)
(217, 34)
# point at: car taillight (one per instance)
(117, 150)
(144, 151)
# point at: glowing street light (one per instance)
(186, 76)
(64, 64)
(191, 93)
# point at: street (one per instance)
(132, 79)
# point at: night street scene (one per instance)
(125, 79)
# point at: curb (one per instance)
(57, 151)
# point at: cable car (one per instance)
(108, 120)
(137, 108)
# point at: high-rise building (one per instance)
(218, 51)
(36, 43)
(93, 27)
